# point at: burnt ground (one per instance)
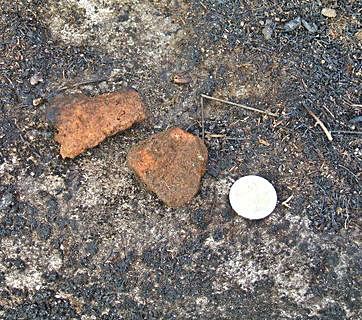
(82, 239)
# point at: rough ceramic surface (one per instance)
(170, 164)
(83, 122)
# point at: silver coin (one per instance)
(253, 197)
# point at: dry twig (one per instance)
(346, 132)
(239, 105)
(224, 136)
(320, 123)
(348, 170)
(202, 117)
(82, 83)
(286, 202)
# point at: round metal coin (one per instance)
(253, 197)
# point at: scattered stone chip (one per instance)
(293, 24)
(358, 35)
(310, 26)
(83, 122)
(181, 78)
(329, 13)
(35, 79)
(170, 164)
(268, 30)
(37, 102)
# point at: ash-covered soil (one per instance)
(82, 239)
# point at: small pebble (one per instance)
(181, 78)
(35, 79)
(356, 121)
(358, 35)
(311, 27)
(253, 197)
(293, 24)
(6, 200)
(329, 13)
(37, 102)
(268, 30)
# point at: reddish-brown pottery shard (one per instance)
(170, 164)
(83, 122)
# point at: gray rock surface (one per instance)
(310, 26)
(293, 24)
